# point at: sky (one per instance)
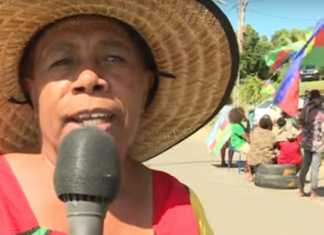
(268, 16)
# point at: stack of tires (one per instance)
(276, 176)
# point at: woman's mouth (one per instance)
(101, 120)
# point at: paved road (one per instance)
(234, 205)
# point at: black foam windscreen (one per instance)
(87, 166)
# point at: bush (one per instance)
(250, 91)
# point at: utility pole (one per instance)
(241, 10)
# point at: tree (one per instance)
(251, 91)
(255, 47)
(253, 69)
(280, 38)
(283, 37)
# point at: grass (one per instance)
(312, 85)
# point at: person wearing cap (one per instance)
(151, 73)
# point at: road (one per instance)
(234, 205)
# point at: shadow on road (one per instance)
(179, 163)
(233, 165)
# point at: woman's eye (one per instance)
(62, 62)
(112, 58)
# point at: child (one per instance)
(263, 142)
(240, 137)
(288, 143)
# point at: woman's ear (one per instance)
(28, 88)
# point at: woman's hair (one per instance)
(314, 94)
(236, 115)
(309, 112)
(281, 122)
(285, 115)
(266, 122)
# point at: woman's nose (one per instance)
(89, 82)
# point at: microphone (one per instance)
(86, 178)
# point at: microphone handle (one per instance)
(86, 217)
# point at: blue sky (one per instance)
(267, 16)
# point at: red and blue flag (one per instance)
(287, 97)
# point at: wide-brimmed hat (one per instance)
(192, 39)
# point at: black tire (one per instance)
(276, 181)
(275, 169)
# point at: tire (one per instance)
(276, 169)
(276, 181)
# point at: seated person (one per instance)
(240, 138)
(294, 121)
(262, 148)
(288, 143)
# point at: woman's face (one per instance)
(88, 71)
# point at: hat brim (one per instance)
(191, 39)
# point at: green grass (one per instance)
(312, 85)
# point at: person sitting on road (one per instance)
(263, 140)
(240, 138)
(288, 143)
(293, 120)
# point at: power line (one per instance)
(281, 17)
(235, 6)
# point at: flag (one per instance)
(268, 88)
(220, 133)
(314, 52)
(287, 97)
(276, 58)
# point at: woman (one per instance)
(262, 150)
(142, 70)
(288, 143)
(312, 121)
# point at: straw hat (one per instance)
(191, 39)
